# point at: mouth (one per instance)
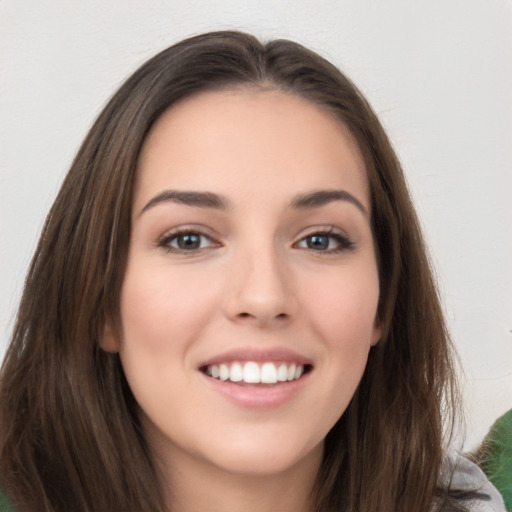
(258, 379)
(256, 372)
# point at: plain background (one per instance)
(438, 73)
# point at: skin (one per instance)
(255, 281)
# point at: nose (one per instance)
(260, 289)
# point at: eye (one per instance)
(328, 242)
(186, 242)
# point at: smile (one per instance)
(251, 372)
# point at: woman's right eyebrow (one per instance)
(189, 198)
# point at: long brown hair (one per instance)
(70, 437)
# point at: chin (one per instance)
(254, 458)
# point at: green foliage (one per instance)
(495, 457)
(5, 506)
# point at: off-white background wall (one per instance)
(438, 72)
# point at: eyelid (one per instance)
(321, 228)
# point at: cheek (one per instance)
(162, 314)
(342, 310)
(343, 305)
(163, 306)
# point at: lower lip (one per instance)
(252, 396)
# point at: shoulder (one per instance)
(466, 479)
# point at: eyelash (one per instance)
(343, 243)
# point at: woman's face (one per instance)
(249, 302)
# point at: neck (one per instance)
(193, 486)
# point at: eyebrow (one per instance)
(306, 201)
(189, 198)
(323, 197)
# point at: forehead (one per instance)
(249, 141)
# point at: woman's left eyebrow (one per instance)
(322, 197)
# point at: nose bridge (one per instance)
(261, 283)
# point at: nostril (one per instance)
(280, 316)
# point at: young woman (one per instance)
(231, 307)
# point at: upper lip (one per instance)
(277, 355)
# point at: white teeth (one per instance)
(251, 373)
(236, 374)
(282, 373)
(223, 372)
(268, 373)
(291, 371)
(256, 373)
